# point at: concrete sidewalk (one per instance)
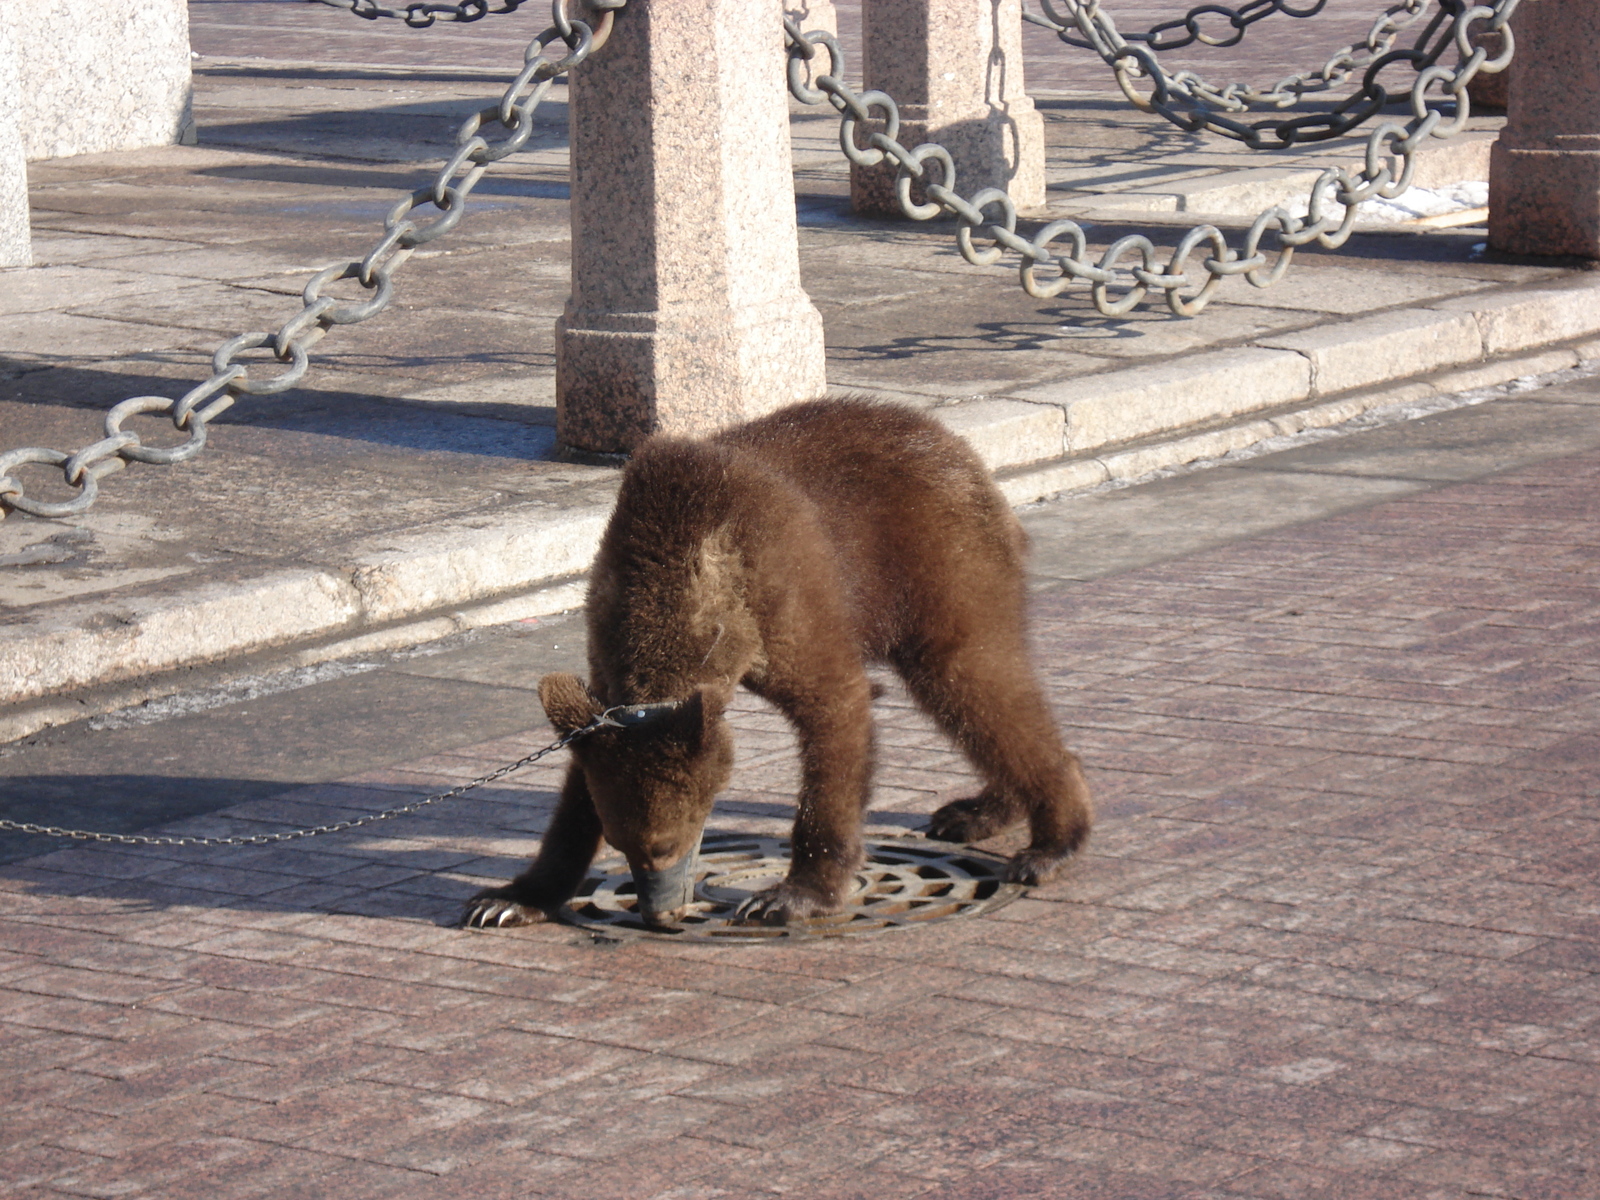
(409, 490)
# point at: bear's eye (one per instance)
(661, 855)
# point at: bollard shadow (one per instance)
(338, 421)
(114, 803)
(355, 73)
(396, 180)
(408, 132)
(475, 429)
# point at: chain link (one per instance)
(420, 16)
(1237, 97)
(1115, 288)
(1238, 20)
(404, 230)
(1192, 104)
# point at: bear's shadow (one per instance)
(418, 868)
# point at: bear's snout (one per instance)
(665, 895)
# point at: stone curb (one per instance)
(1251, 190)
(1112, 427)
(444, 566)
(1101, 415)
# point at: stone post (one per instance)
(954, 68)
(1544, 171)
(101, 76)
(15, 250)
(686, 312)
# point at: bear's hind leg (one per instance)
(990, 704)
(568, 847)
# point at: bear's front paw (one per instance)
(785, 904)
(1033, 867)
(973, 820)
(495, 907)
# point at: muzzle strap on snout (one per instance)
(663, 893)
(631, 716)
(622, 716)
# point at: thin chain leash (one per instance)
(291, 344)
(618, 717)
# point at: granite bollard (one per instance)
(1544, 171)
(15, 230)
(111, 75)
(954, 68)
(85, 79)
(686, 312)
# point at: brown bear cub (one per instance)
(785, 555)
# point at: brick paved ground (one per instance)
(1335, 937)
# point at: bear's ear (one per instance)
(713, 700)
(699, 712)
(567, 702)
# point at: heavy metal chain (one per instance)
(1238, 20)
(1191, 103)
(1390, 163)
(420, 16)
(291, 344)
(621, 716)
(1235, 97)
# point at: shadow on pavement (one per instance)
(387, 868)
(387, 180)
(403, 133)
(485, 428)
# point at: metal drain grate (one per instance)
(905, 883)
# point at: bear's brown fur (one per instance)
(786, 554)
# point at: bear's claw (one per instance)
(493, 908)
(1034, 867)
(784, 904)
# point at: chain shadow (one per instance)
(998, 335)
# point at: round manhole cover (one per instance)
(905, 883)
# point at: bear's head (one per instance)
(652, 779)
